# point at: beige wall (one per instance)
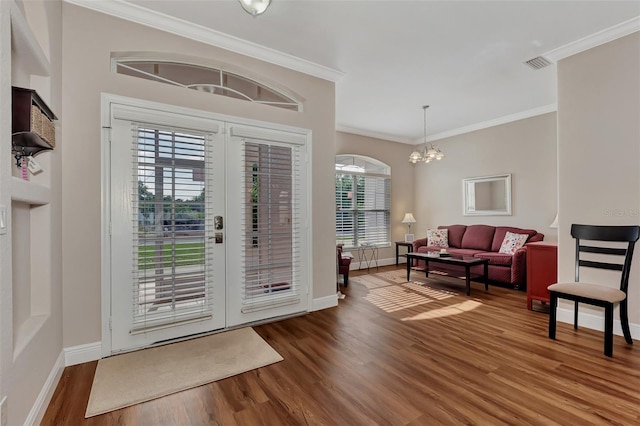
(524, 148)
(30, 254)
(599, 152)
(89, 38)
(395, 155)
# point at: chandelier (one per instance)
(429, 152)
(255, 7)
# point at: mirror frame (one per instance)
(466, 183)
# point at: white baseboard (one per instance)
(324, 302)
(596, 322)
(44, 397)
(82, 353)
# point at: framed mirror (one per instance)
(487, 195)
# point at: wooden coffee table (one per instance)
(467, 261)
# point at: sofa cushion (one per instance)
(501, 231)
(478, 237)
(438, 237)
(463, 252)
(455, 234)
(450, 250)
(496, 258)
(427, 249)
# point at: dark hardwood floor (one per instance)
(402, 355)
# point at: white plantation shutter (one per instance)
(373, 201)
(172, 227)
(362, 209)
(345, 213)
(271, 224)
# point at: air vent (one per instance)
(538, 63)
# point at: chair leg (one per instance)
(575, 316)
(553, 304)
(608, 330)
(624, 320)
(346, 279)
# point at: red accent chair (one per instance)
(343, 265)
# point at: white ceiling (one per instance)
(464, 59)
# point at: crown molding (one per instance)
(454, 132)
(140, 15)
(373, 134)
(596, 39)
(491, 123)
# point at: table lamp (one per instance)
(408, 219)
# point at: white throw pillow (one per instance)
(438, 237)
(512, 242)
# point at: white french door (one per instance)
(268, 224)
(207, 220)
(167, 248)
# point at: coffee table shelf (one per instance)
(466, 261)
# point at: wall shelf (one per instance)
(29, 192)
(32, 125)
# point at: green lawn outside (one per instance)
(185, 254)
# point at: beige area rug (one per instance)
(135, 377)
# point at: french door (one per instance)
(268, 224)
(167, 263)
(208, 224)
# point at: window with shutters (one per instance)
(363, 201)
(171, 250)
(271, 225)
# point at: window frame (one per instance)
(120, 59)
(357, 171)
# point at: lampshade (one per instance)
(255, 7)
(415, 157)
(554, 224)
(408, 218)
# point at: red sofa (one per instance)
(484, 241)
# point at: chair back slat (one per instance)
(603, 250)
(606, 233)
(621, 234)
(601, 265)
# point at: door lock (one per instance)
(218, 224)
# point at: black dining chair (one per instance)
(598, 294)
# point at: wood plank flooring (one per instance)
(402, 354)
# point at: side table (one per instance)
(542, 270)
(409, 247)
(373, 255)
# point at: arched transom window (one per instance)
(205, 79)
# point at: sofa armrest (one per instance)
(519, 266)
(535, 238)
(419, 243)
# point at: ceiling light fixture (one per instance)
(429, 151)
(255, 7)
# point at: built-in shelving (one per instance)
(31, 215)
(29, 192)
(30, 59)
